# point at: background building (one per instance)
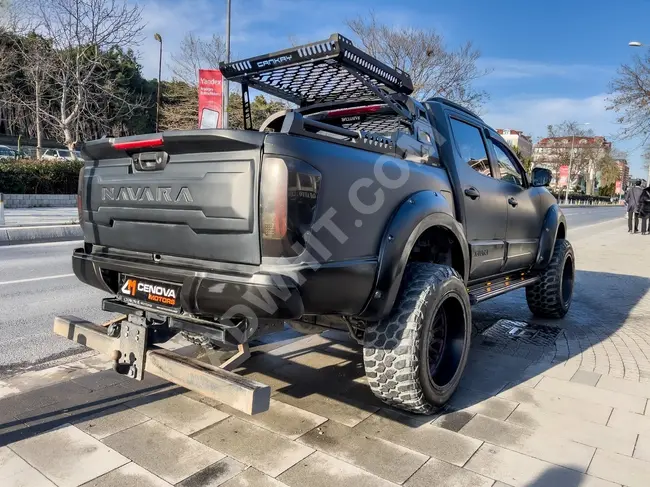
(516, 138)
(554, 152)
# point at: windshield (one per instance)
(64, 153)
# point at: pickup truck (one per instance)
(362, 209)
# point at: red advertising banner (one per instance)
(619, 187)
(210, 98)
(564, 176)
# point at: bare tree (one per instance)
(435, 70)
(197, 53)
(630, 98)
(80, 33)
(25, 61)
(568, 128)
(36, 56)
(4, 12)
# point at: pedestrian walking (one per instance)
(632, 198)
(644, 210)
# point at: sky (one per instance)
(549, 61)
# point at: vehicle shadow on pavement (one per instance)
(558, 476)
(602, 304)
(323, 374)
(29, 414)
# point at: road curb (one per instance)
(592, 206)
(43, 233)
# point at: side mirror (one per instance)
(541, 177)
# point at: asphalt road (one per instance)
(36, 283)
(580, 217)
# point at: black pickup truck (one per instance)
(363, 209)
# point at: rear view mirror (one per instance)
(541, 176)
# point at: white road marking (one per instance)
(32, 279)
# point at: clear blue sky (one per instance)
(550, 60)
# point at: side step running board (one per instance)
(490, 290)
(238, 392)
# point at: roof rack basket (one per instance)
(328, 71)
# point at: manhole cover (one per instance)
(521, 332)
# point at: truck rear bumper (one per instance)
(283, 294)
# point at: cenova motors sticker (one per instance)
(150, 292)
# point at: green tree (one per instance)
(609, 171)
(261, 109)
(527, 161)
(607, 190)
(133, 109)
(180, 106)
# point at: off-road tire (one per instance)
(395, 353)
(547, 297)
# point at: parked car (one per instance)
(364, 210)
(59, 155)
(7, 154)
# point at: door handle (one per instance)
(512, 201)
(472, 192)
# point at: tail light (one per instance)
(138, 144)
(288, 193)
(80, 187)
(273, 196)
(348, 112)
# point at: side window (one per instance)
(507, 167)
(471, 146)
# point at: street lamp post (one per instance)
(158, 37)
(640, 44)
(568, 178)
(568, 182)
(226, 87)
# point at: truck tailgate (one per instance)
(187, 193)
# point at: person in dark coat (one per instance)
(632, 198)
(644, 210)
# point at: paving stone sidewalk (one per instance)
(566, 405)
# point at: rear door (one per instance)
(192, 194)
(523, 230)
(482, 195)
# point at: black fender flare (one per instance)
(552, 221)
(414, 216)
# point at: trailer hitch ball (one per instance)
(116, 355)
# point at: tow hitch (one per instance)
(128, 340)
